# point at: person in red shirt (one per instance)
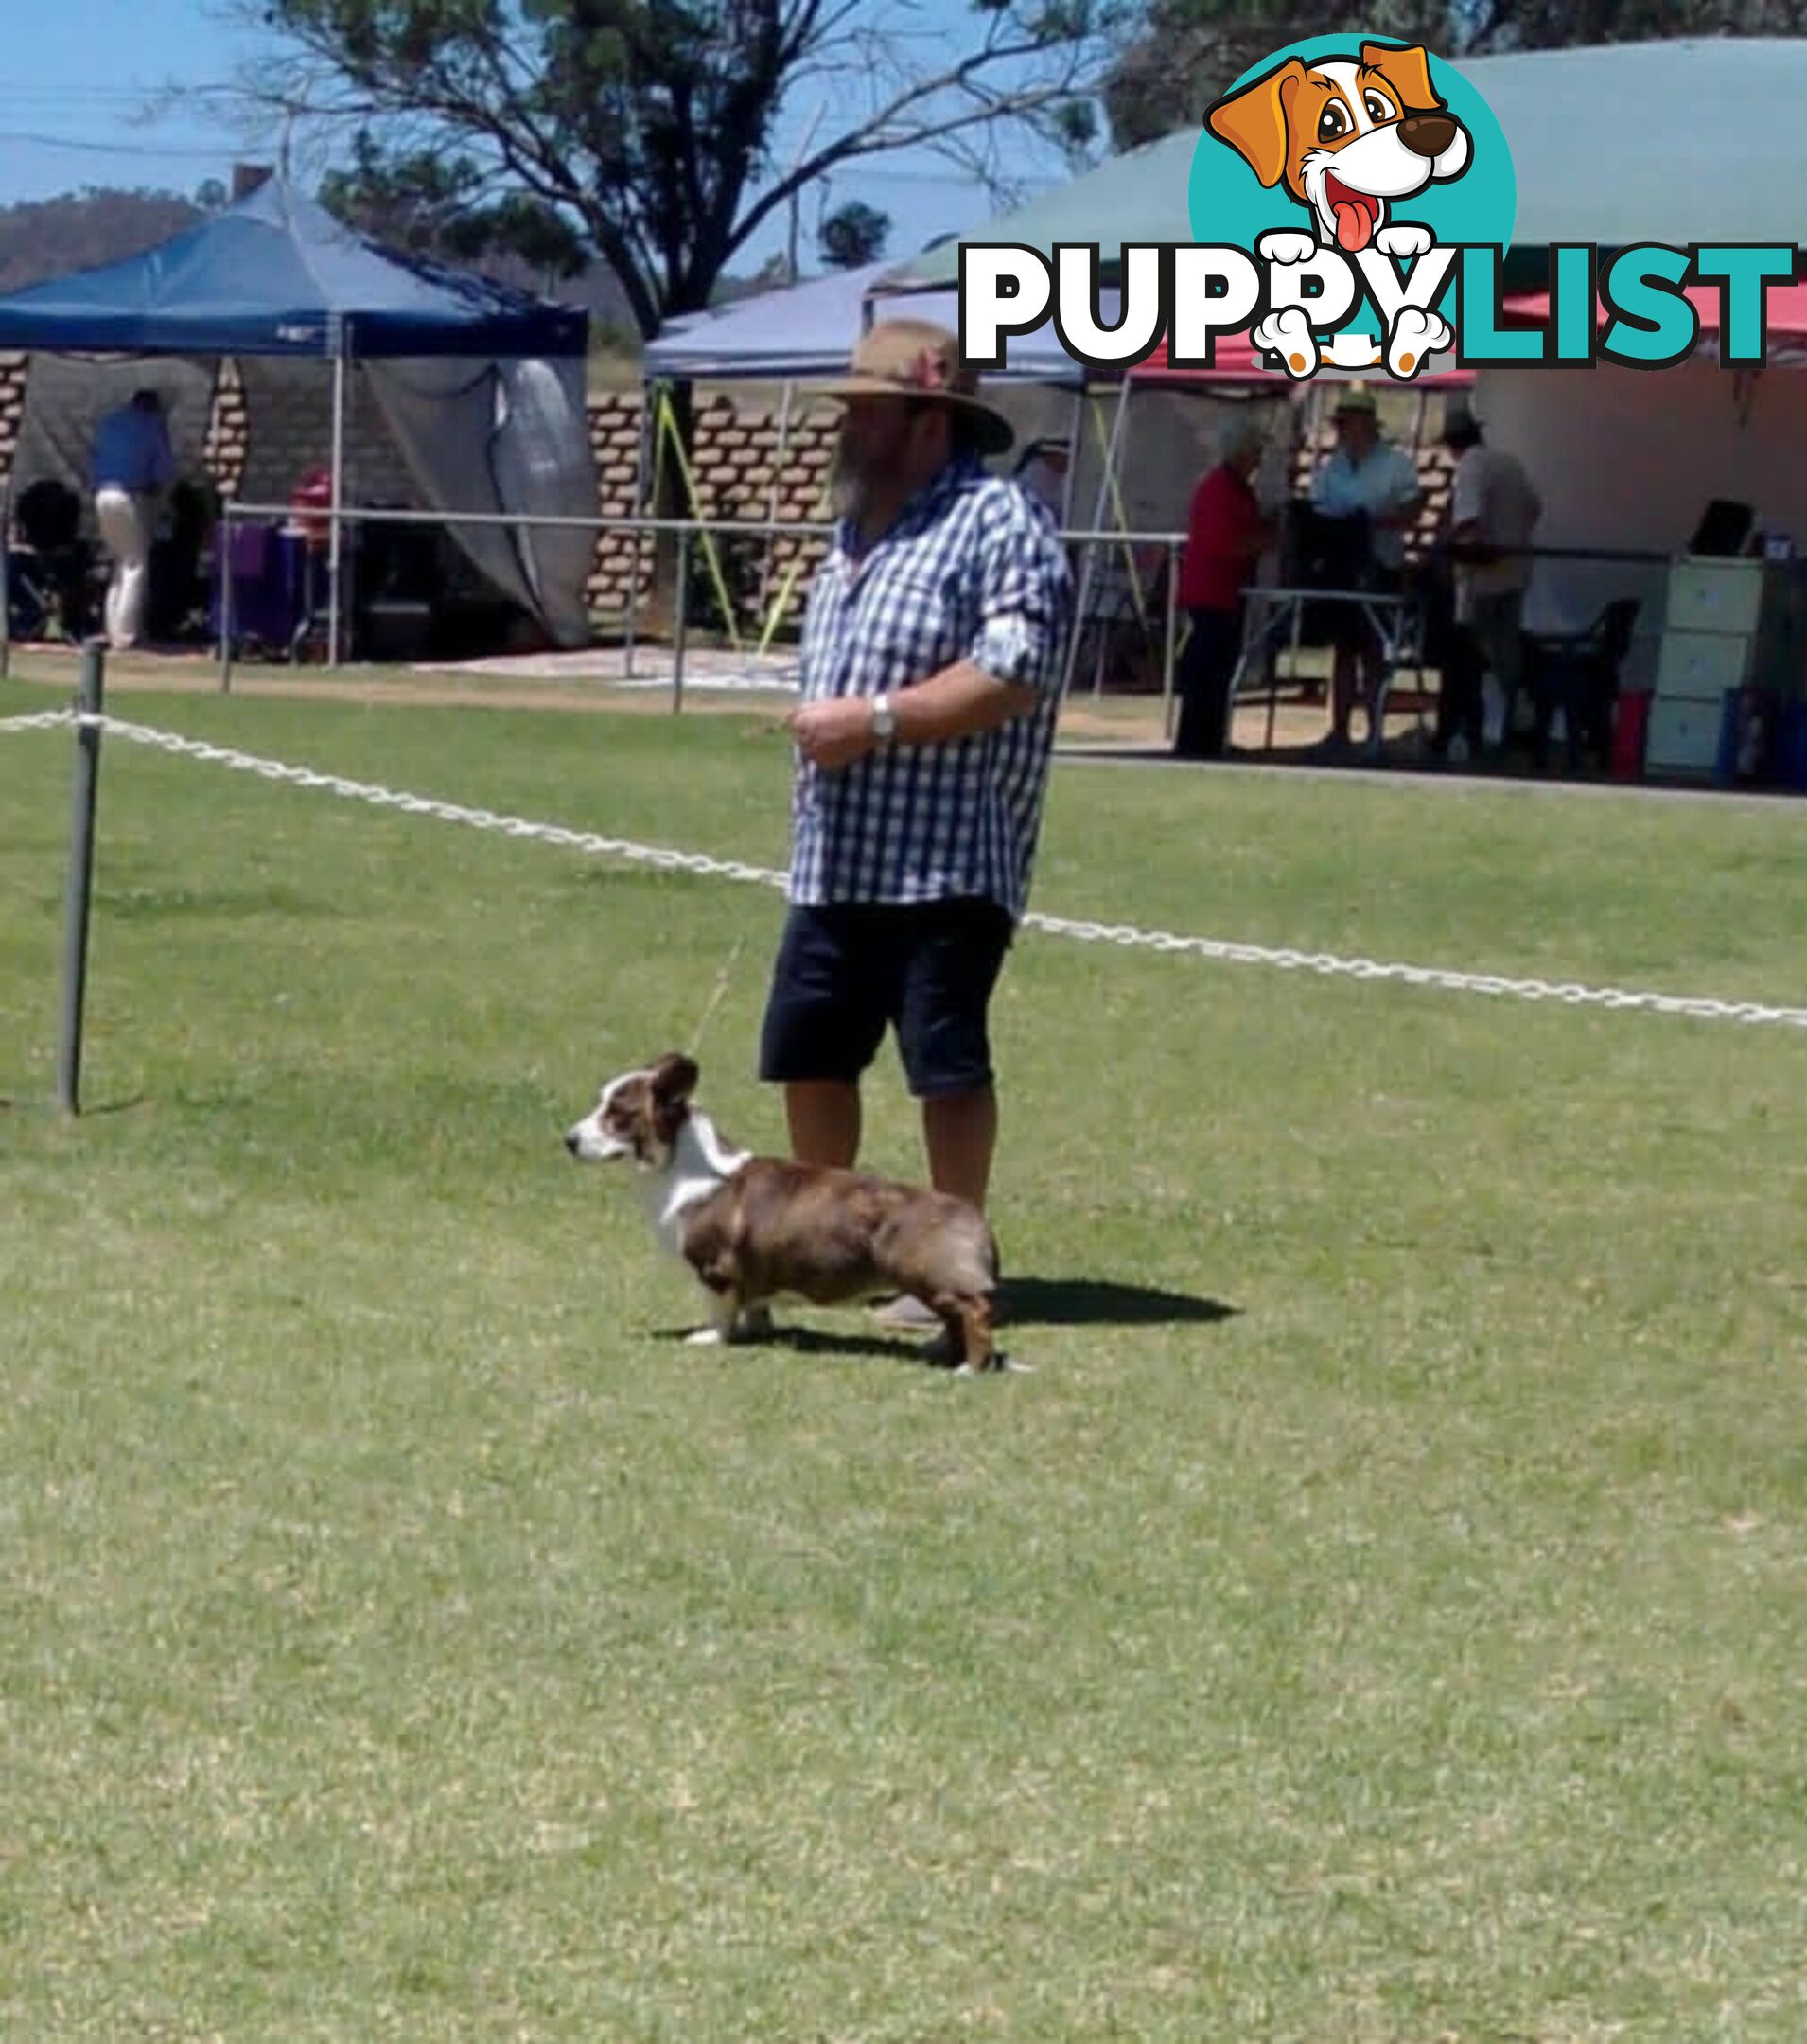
(1226, 535)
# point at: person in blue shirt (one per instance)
(130, 464)
(1365, 477)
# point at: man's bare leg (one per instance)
(824, 1116)
(961, 1130)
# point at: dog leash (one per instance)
(722, 979)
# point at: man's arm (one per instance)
(959, 703)
(1007, 671)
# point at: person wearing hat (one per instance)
(1226, 533)
(933, 658)
(1494, 509)
(1365, 477)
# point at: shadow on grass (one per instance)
(1023, 1301)
(825, 1341)
(1103, 1303)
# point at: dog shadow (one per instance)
(1103, 1303)
(814, 1340)
(1022, 1302)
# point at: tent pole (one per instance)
(6, 593)
(639, 507)
(771, 503)
(1071, 475)
(335, 555)
(1097, 525)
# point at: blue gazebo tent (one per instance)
(276, 274)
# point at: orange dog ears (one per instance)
(1253, 121)
(1408, 70)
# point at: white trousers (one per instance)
(125, 529)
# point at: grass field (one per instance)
(1380, 1614)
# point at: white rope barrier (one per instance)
(1565, 992)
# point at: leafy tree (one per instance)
(1189, 51)
(854, 235)
(646, 133)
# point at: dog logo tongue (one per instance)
(1356, 214)
(1352, 227)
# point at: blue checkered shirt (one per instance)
(972, 569)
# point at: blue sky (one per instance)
(79, 73)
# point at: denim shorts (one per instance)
(847, 971)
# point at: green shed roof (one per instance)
(1700, 139)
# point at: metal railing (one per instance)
(1093, 623)
(686, 530)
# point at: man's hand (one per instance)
(834, 732)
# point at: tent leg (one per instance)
(1097, 525)
(335, 556)
(639, 507)
(5, 592)
(1071, 476)
(771, 506)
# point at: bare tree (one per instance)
(644, 131)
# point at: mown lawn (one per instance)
(1377, 1614)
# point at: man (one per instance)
(129, 463)
(1494, 509)
(933, 658)
(1365, 476)
(1226, 535)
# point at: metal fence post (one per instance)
(222, 546)
(78, 893)
(680, 627)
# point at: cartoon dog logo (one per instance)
(1346, 137)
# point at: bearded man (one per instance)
(933, 658)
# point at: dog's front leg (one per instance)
(723, 1311)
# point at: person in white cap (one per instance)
(1365, 476)
(933, 657)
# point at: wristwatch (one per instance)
(884, 719)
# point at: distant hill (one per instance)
(46, 238)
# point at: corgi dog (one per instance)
(755, 1228)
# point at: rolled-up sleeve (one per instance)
(1025, 598)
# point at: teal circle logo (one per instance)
(1229, 206)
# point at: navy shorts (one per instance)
(848, 971)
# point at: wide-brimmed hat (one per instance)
(1356, 397)
(913, 358)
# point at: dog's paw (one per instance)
(1287, 334)
(1405, 239)
(705, 1337)
(1416, 337)
(1285, 245)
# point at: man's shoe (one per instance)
(908, 1311)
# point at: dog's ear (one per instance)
(1253, 121)
(1408, 70)
(674, 1078)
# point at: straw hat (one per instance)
(913, 358)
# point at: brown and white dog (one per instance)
(1346, 137)
(754, 1228)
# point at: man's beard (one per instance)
(850, 482)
